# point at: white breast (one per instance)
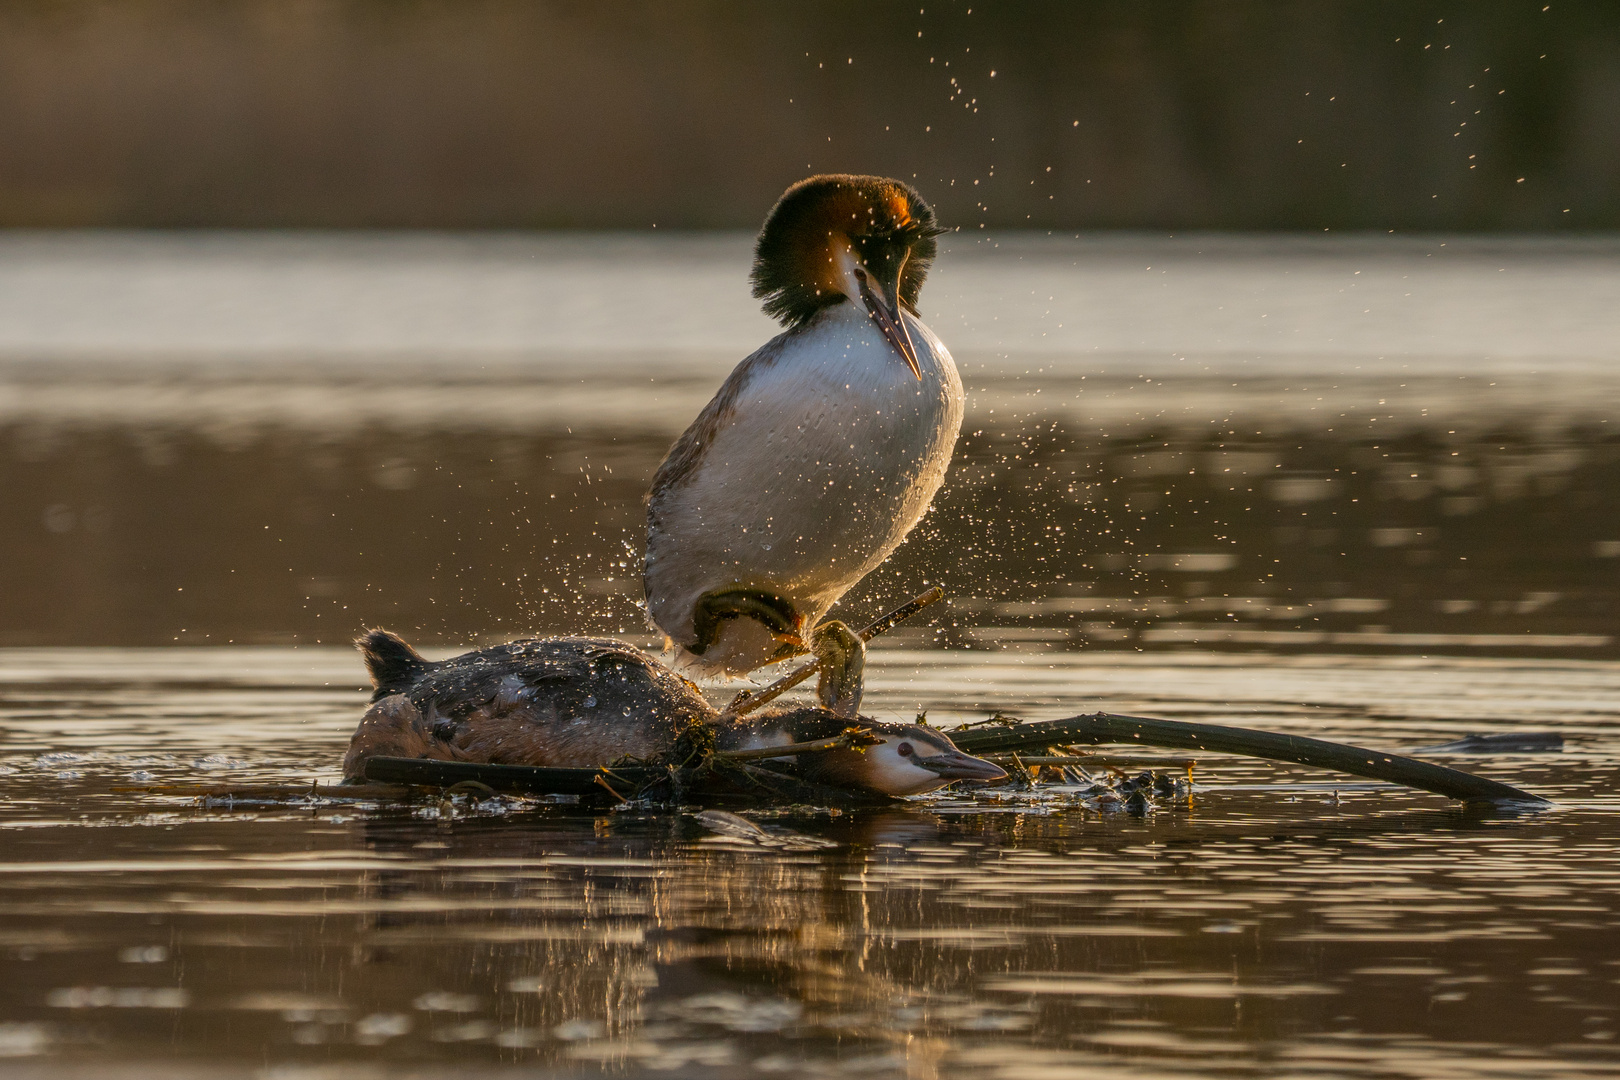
(812, 463)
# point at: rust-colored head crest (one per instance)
(796, 268)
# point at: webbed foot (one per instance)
(715, 608)
(843, 667)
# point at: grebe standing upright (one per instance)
(821, 451)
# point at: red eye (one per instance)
(904, 749)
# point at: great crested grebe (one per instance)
(822, 449)
(584, 702)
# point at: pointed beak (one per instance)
(882, 300)
(955, 765)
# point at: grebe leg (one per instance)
(843, 667)
(714, 608)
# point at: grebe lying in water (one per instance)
(586, 702)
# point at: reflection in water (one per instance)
(1274, 924)
(1052, 528)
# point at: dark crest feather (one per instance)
(393, 664)
(794, 241)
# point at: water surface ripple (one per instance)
(1276, 923)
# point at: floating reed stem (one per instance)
(1297, 749)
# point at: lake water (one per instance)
(1360, 488)
(1275, 923)
(1381, 443)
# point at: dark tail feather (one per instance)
(392, 663)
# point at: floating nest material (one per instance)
(722, 782)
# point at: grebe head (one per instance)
(913, 759)
(909, 759)
(865, 239)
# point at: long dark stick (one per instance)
(392, 770)
(715, 781)
(850, 739)
(1318, 753)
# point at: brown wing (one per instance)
(687, 453)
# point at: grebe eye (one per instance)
(904, 749)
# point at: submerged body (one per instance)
(586, 702)
(816, 458)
